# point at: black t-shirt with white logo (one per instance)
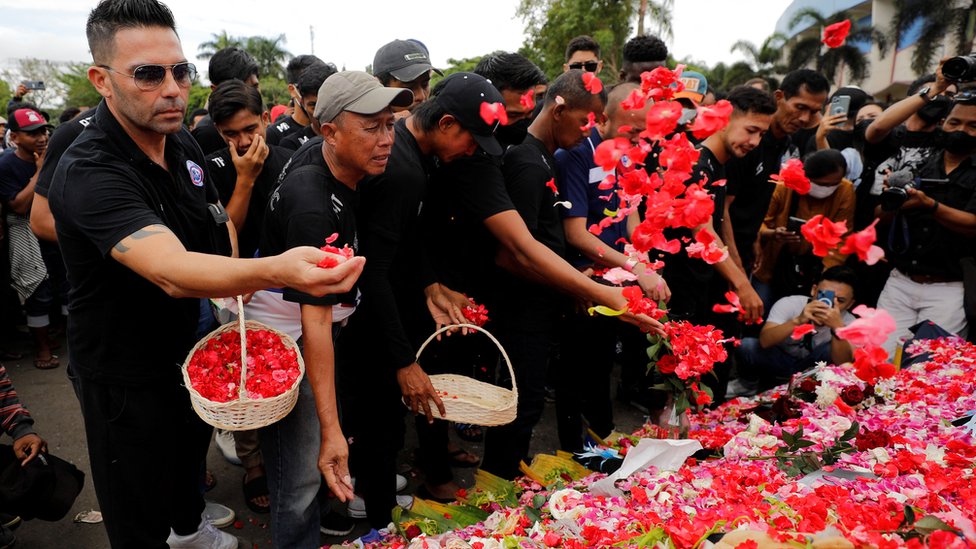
(282, 129)
(122, 328)
(224, 176)
(63, 136)
(308, 206)
(296, 139)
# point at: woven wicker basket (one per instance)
(469, 400)
(244, 413)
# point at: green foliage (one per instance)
(551, 24)
(5, 93)
(267, 51)
(79, 90)
(197, 98)
(795, 460)
(941, 18)
(30, 68)
(274, 90)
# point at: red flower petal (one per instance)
(802, 330)
(592, 83)
(792, 175)
(834, 35)
(492, 112)
(528, 100)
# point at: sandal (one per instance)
(253, 489)
(469, 432)
(47, 363)
(457, 460)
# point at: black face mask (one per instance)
(840, 139)
(512, 134)
(935, 110)
(959, 143)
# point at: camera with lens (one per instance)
(961, 68)
(896, 193)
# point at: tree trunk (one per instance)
(641, 12)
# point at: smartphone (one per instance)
(793, 224)
(33, 84)
(826, 296)
(840, 104)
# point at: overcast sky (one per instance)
(349, 32)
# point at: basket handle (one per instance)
(240, 325)
(508, 361)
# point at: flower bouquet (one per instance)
(225, 394)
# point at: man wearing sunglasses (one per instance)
(144, 238)
(583, 54)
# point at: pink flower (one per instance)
(862, 243)
(871, 328)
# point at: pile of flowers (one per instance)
(901, 474)
(215, 368)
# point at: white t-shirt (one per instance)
(790, 307)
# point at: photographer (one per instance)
(776, 356)
(933, 221)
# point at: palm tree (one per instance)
(218, 41)
(269, 54)
(940, 18)
(764, 60)
(808, 50)
(661, 13)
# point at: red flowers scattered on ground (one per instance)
(215, 368)
(792, 175)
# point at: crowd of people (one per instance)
(137, 202)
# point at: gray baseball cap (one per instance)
(405, 60)
(358, 92)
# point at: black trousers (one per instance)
(147, 448)
(587, 351)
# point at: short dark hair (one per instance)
(232, 62)
(823, 163)
(111, 16)
(582, 43)
(794, 81)
(297, 65)
(198, 112)
(748, 99)
(570, 87)
(841, 274)
(232, 96)
(311, 80)
(919, 82)
(510, 71)
(429, 113)
(68, 114)
(644, 48)
(758, 80)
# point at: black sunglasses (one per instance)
(589, 66)
(150, 77)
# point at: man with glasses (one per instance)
(144, 238)
(583, 53)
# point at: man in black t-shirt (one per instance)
(42, 222)
(405, 64)
(144, 238)
(527, 312)
(308, 86)
(376, 358)
(799, 100)
(932, 231)
(316, 203)
(246, 171)
(299, 119)
(231, 63)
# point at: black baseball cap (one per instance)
(461, 95)
(405, 60)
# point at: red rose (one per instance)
(852, 395)
(808, 385)
(867, 439)
(666, 364)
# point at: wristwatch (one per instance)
(924, 93)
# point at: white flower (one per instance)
(560, 508)
(826, 395)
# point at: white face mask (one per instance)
(821, 191)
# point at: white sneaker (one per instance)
(207, 537)
(225, 442)
(219, 515)
(401, 482)
(357, 507)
